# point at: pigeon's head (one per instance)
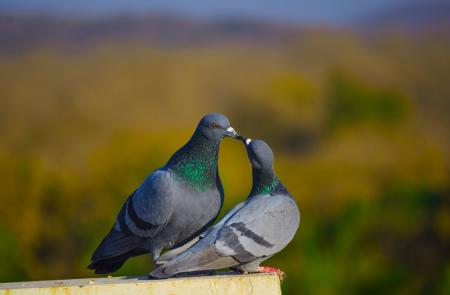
(216, 126)
(259, 153)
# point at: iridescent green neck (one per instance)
(264, 182)
(196, 162)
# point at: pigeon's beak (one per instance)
(232, 133)
(245, 140)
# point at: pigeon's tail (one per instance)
(114, 250)
(205, 259)
(110, 265)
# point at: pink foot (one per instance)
(268, 269)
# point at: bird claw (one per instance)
(268, 269)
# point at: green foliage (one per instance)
(11, 266)
(365, 249)
(352, 102)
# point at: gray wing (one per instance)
(149, 208)
(177, 251)
(264, 226)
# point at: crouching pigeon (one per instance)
(173, 205)
(250, 233)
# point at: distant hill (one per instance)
(419, 17)
(22, 32)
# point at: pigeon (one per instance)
(250, 233)
(173, 205)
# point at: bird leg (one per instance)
(268, 269)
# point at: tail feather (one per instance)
(107, 265)
(112, 264)
(116, 243)
(114, 250)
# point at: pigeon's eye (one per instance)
(214, 125)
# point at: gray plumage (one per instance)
(174, 203)
(251, 232)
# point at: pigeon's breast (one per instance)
(194, 210)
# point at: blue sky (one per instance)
(302, 11)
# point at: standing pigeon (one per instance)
(174, 203)
(251, 232)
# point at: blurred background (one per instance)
(353, 96)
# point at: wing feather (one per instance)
(264, 226)
(149, 208)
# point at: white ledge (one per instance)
(261, 284)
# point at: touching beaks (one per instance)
(244, 139)
(232, 133)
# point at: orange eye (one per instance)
(214, 125)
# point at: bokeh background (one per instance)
(353, 96)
